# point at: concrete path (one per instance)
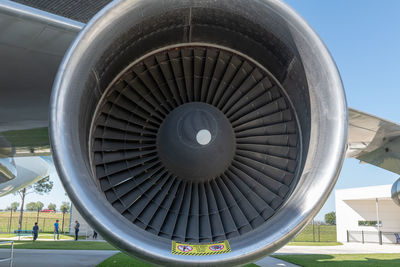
(58, 258)
(347, 248)
(272, 262)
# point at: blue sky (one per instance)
(364, 39)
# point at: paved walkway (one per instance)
(347, 248)
(272, 262)
(58, 258)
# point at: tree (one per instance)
(31, 206)
(14, 206)
(52, 206)
(43, 186)
(330, 218)
(39, 207)
(64, 208)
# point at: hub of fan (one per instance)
(196, 142)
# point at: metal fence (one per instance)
(372, 237)
(317, 233)
(45, 221)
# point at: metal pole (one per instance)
(313, 231)
(377, 214)
(9, 228)
(12, 254)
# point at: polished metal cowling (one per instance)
(198, 122)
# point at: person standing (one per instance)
(94, 235)
(77, 225)
(56, 230)
(35, 231)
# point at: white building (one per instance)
(84, 228)
(358, 211)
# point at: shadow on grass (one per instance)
(343, 260)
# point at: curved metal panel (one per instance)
(7, 169)
(396, 192)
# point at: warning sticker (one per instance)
(202, 249)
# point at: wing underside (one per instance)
(374, 140)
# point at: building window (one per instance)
(369, 223)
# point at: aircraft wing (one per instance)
(374, 140)
(32, 45)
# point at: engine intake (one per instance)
(199, 122)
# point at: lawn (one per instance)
(295, 243)
(343, 260)
(45, 221)
(67, 245)
(42, 236)
(123, 260)
(317, 233)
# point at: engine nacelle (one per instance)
(395, 192)
(198, 122)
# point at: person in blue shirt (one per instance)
(56, 231)
(35, 232)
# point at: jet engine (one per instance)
(198, 123)
(395, 192)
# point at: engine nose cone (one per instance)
(196, 142)
(203, 137)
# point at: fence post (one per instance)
(9, 228)
(362, 236)
(347, 231)
(380, 237)
(313, 231)
(319, 233)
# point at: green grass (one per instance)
(123, 260)
(343, 260)
(46, 221)
(7, 235)
(64, 245)
(314, 244)
(318, 233)
(42, 236)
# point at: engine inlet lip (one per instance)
(76, 176)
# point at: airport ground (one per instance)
(100, 253)
(325, 251)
